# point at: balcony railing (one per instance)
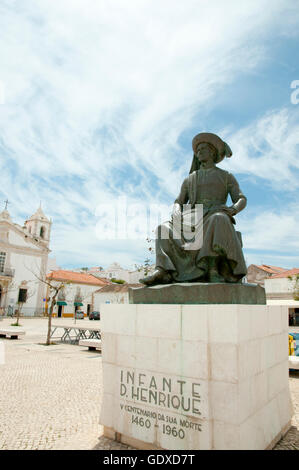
(7, 272)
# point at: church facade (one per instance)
(24, 254)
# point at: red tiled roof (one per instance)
(271, 269)
(112, 287)
(289, 272)
(80, 278)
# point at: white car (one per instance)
(80, 315)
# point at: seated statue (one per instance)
(219, 258)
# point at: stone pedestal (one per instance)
(195, 376)
(192, 293)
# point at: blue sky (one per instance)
(102, 100)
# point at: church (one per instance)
(24, 254)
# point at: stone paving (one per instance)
(50, 396)
(291, 440)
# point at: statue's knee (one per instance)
(220, 216)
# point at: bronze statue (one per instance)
(220, 257)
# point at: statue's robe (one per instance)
(210, 188)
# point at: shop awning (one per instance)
(61, 303)
(78, 304)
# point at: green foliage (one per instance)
(146, 266)
(118, 281)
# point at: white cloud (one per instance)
(282, 261)
(268, 149)
(271, 236)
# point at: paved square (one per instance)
(50, 396)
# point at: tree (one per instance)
(24, 295)
(54, 288)
(150, 248)
(79, 298)
(146, 266)
(117, 281)
(295, 280)
(4, 290)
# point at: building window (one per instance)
(22, 296)
(2, 261)
(294, 317)
(42, 232)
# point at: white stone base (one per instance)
(294, 362)
(195, 376)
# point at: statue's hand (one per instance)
(231, 211)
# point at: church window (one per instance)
(42, 232)
(2, 260)
(22, 296)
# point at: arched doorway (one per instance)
(59, 313)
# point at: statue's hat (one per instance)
(223, 150)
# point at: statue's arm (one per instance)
(182, 198)
(238, 198)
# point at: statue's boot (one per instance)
(213, 272)
(159, 276)
(233, 279)
(214, 276)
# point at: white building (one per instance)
(257, 274)
(52, 265)
(281, 289)
(113, 294)
(23, 261)
(77, 293)
(115, 271)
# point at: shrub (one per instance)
(118, 281)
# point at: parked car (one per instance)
(80, 315)
(94, 316)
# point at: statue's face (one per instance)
(205, 153)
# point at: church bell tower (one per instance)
(39, 226)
